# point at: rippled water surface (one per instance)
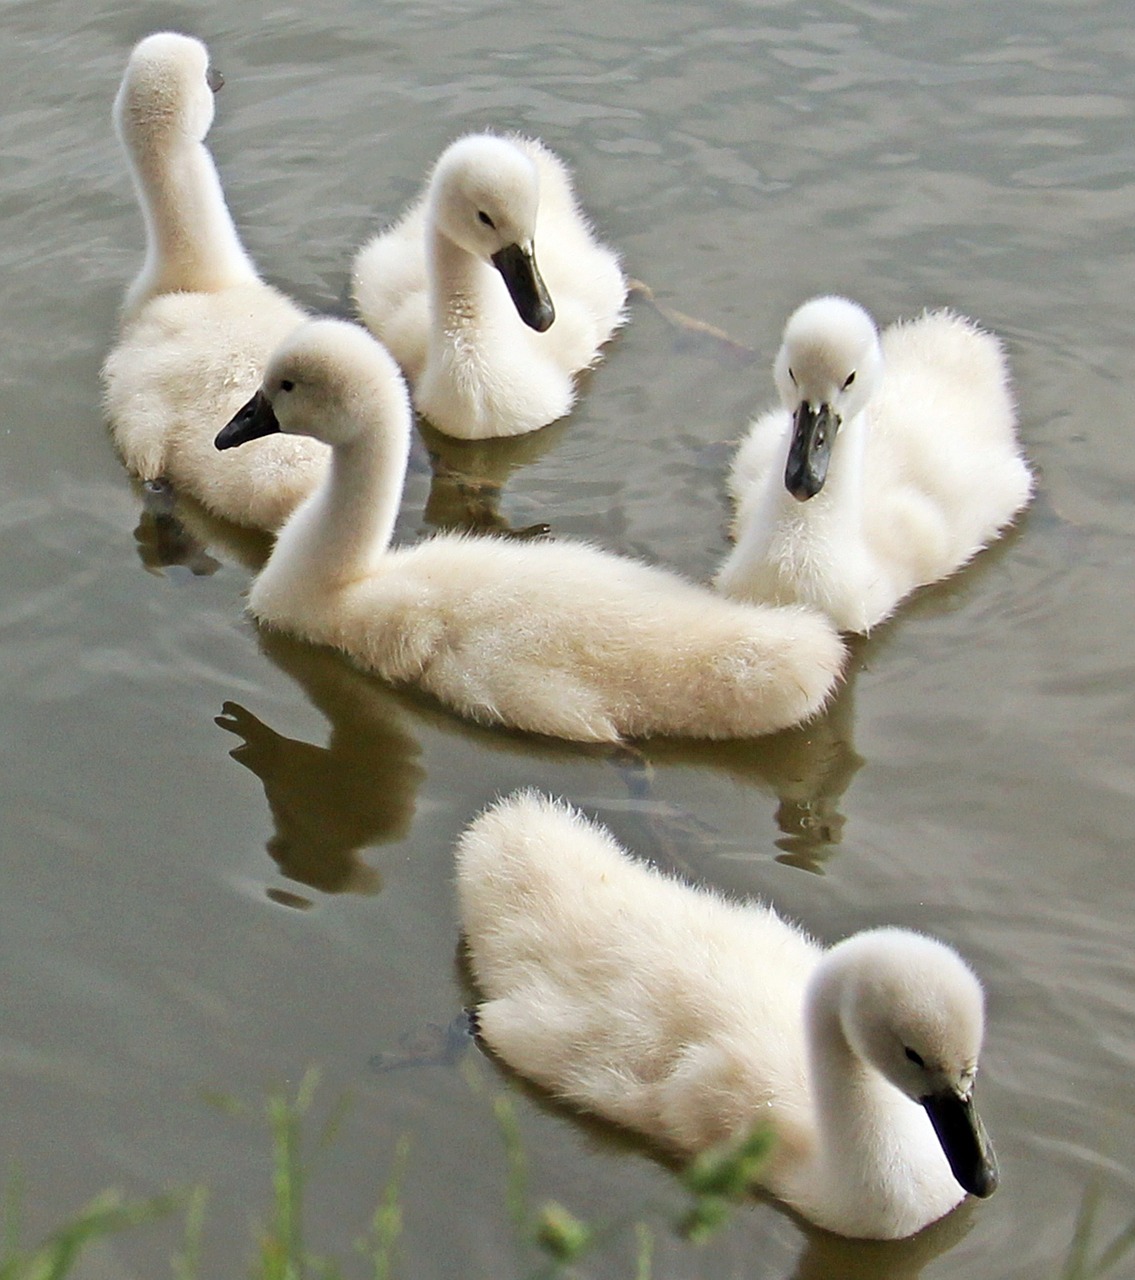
(226, 860)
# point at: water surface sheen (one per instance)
(228, 859)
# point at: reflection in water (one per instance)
(163, 540)
(433, 1046)
(329, 803)
(468, 476)
(828, 1256)
(808, 769)
(174, 530)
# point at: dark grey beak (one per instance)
(256, 419)
(964, 1141)
(214, 79)
(525, 286)
(813, 431)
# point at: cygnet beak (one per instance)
(813, 431)
(256, 419)
(214, 79)
(964, 1141)
(530, 297)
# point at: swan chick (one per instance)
(492, 292)
(694, 1019)
(198, 323)
(554, 637)
(891, 463)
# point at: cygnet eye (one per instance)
(792, 376)
(915, 1057)
(286, 384)
(486, 219)
(849, 380)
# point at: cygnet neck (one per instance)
(458, 285)
(340, 534)
(878, 1169)
(191, 242)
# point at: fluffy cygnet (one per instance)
(198, 323)
(694, 1019)
(890, 464)
(492, 291)
(555, 637)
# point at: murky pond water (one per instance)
(226, 860)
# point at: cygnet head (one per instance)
(167, 90)
(828, 365)
(913, 1009)
(484, 195)
(329, 379)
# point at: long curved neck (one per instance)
(877, 1165)
(458, 283)
(191, 242)
(845, 1090)
(341, 532)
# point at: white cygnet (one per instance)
(492, 292)
(890, 464)
(695, 1020)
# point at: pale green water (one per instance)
(977, 776)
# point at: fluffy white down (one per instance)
(554, 637)
(198, 324)
(693, 1019)
(474, 367)
(925, 468)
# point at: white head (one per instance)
(829, 364)
(484, 195)
(909, 1006)
(329, 379)
(167, 89)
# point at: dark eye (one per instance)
(914, 1057)
(792, 376)
(486, 219)
(850, 380)
(286, 384)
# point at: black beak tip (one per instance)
(803, 488)
(254, 420)
(985, 1180)
(541, 317)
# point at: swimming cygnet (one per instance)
(890, 464)
(554, 637)
(694, 1020)
(492, 292)
(198, 323)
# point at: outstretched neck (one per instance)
(191, 242)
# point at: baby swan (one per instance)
(198, 324)
(489, 341)
(891, 463)
(557, 638)
(693, 1020)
